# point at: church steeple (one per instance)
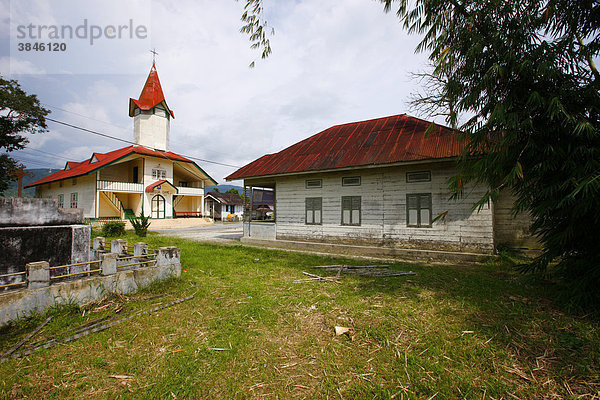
(151, 115)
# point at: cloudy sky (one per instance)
(333, 62)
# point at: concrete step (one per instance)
(392, 253)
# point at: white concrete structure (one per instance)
(223, 206)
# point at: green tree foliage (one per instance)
(113, 229)
(234, 191)
(20, 113)
(518, 79)
(140, 224)
(521, 76)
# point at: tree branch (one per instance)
(587, 56)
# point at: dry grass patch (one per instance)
(252, 333)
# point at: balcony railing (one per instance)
(120, 186)
(189, 191)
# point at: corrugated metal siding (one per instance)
(379, 141)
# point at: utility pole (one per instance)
(20, 174)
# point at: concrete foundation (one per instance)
(58, 245)
(16, 211)
(21, 303)
(394, 253)
(37, 230)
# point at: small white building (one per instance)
(145, 177)
(223, 206)
(380, 182)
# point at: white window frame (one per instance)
(354, 216)
(423, 202)
(74, 200)
(158, 173)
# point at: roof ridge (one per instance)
(355, 144)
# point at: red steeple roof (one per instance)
(151, 95)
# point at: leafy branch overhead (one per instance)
(519, 81)
(256, 28)
(20, 114)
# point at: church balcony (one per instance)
(113, 186)
(189, 191)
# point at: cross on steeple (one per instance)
(154, 54)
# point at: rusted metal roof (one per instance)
(99, 160)
(152, 186)
(226, 198)
(398, 138)
(151, 95)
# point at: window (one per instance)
(159, 174)
(60, 183)
(60, 201)
(419, 176)
(350, 210)
(314, 210)
(418, 210)
(73, 203)
(314, 183)
(183, 184)
(351, 181)
(230, 209)
(135, 174)
(74, 181)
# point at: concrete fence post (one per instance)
(109, 264)
(99, 243)
(118, 246)
(38, 274)
(168, 256)
(140, 249)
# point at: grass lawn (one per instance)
(251, 332)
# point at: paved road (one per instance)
(219, 232)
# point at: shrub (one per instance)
(140, 224)
(113, 228)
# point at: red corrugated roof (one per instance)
(104, 159)
(227, 198)
(378, 141)
(151, 187)
(151, 95)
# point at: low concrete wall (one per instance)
(21, 303)
(17, 211)
(260, 230)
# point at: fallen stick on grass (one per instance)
(22, 342)
(93, 329)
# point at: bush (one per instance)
(140, 224)
(113, 228)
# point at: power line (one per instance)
(45, 152)
(110, 123)
(130, 142)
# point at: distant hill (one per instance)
(224, 188)
(38, 173)
(42, 172)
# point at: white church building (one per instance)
(144, 177)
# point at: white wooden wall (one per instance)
(509, 230)
(85, 187)
(383, 208)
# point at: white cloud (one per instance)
(333, 62)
